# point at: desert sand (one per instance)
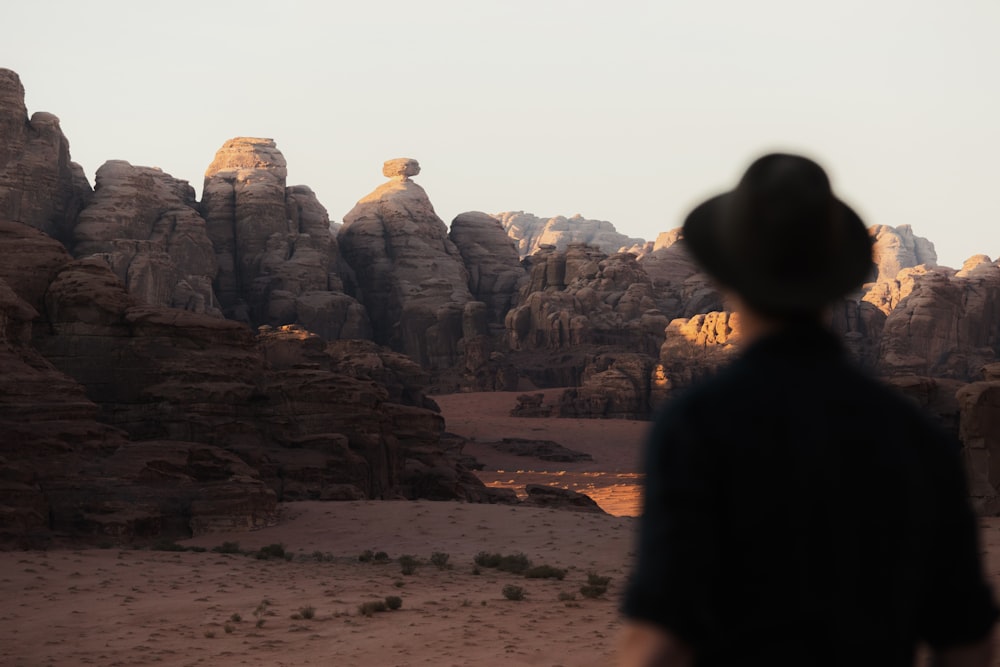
(126, 607)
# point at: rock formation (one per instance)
(278, 261)
(145, 224)
(680, 287)
(948, 326)
(898, 248)
(410, 275)
(64, 472)
(582, 296)
(531, 233)
(489, 255)
(39, 185)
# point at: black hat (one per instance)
(781, 239)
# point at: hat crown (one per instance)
(781, 239)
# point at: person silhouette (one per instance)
(798, 512)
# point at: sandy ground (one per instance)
(123, 607)
(611, 479)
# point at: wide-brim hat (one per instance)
(781, 239)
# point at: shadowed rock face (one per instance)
(409, 274)
(278, 261)
(146, 226)
(495, 271)
(64, 472)
(39, 186)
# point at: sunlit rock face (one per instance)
(530, 233)
(39, 185)
(277, 258)
(410, 275)
(145, 224)
(695, 348)
(898, 248)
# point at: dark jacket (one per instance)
(798, 512)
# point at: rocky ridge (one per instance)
(246, 350)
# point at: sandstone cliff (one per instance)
(39, 185)
(278, 261)
(145, 224)
(410, 275)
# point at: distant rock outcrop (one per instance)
(948, 326)
(278, 261)
(583, 296)
(531, 233)
(39, 185)
(898, 248)
(146, 226)
(410, 275)
(681, 288)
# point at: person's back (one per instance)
(799, 513)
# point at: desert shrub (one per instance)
(167, 545)
(567, 597)
(512, 592)
(514, 563)
(307, 612)
(210, 633)
(440, 560)
(393, 602)
(366, 556)
(371, 607)
(407, 564)
(545, 572)
(235, 618)
(485, 559)
(596, 580)
(228, 627)
(381, 557)
(227, 548)
(197, 550)
(260, 611)
(273, 552)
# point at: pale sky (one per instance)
(625, 110)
